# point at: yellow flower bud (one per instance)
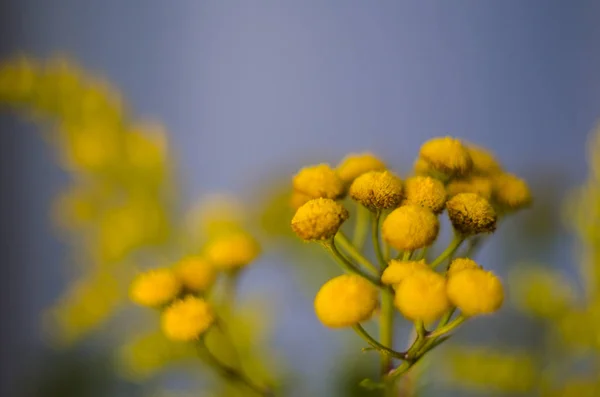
(471, 214)
(511, 192)
(319, 219)
(426, 192)
(377, 190)
(421, 167)
(484, 162)
(195, 273)
(473, 184)
(446, 155)
(232, 251)
(186, 319)
(354, 165)
(460, 264)
(345, 300)
(410, 227)
(422, 296)
(298, 199)
(155, 287)
(397, 271)
(319, 181)
(475, 292)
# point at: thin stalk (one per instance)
(384, 350)
(452, 247)
(376, 242)
(443, 330)
(360, 226)
(386, 335)
(351, 267)
(342, 241)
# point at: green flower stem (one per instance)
(444, 329)
(384, 350)
(361, 226)
(349, 266)
(422, 254)
(452, 247)
(386, 335)
(342, 241)
(376, 243)
(406, 255)
(230, 373)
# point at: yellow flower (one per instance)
(354, 165)
(472, 184)
(422, 296)
(377, 190)
(511, 192)
(410, 227)
(319, 181)
(484, 162)
(471, 214)
(155, 287)
(186, 319)
(345, 301)
(397, 271)
(232, 250)
(475, 292)
(421, 167)
(298, 199)
(426, 192)
(460, 264)
(195, 273)
(319, 219)
(446, 155)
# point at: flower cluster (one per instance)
(461, 179)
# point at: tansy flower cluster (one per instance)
(451, 178)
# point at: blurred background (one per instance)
(248, 93)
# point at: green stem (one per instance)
(361, 226)
(452, 247)
(229, 372)
(444, 329)
(349, 266)
(406, 255)
(342, 241)
(375, 237)
(386, 335)
(384, 350)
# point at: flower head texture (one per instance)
(354, 165)
(232, 251)
(422, 296)
(345, 300)
(426, 192)
(473, 184)
(186, 319)
(460, 264)
(377, 190)
(319, 219)
(484, 162)
(471, 214)
(410, 227)
(155, 287)
(475, 292)
(446, 155)
(195, 273)
(397, 271)
(319, 181)
(510, 192)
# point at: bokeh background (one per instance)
(254, 90)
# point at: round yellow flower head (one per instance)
(421, 167)
(511, 192)
(484, 162)
(354, 165)
(186, 319)
(410, 227)
(195, 273)
(422, 296)
(475, 291)
(397, 271)
(471, 214)
(155, 287)
(345, 300)
(298, 199)
(319, 219)
(460, 264)
(473, 184)
(232, 251)
(377, 190)
(319, 181)
(426, 192)
(446, 155)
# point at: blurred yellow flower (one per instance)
(186, 319)
(155, 287)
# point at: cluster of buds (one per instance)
(449, 175)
